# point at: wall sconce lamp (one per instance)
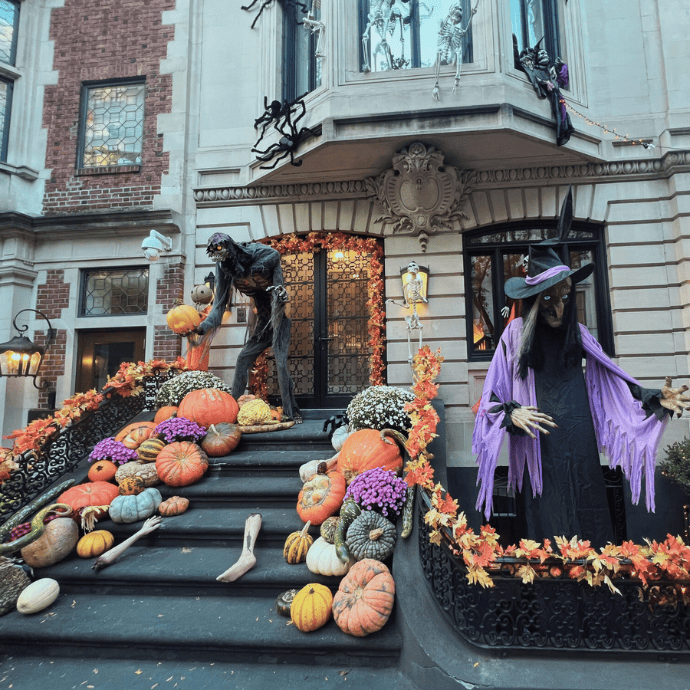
(20, 357)
(154, 244)
(415, 292)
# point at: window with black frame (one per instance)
(404, 34)
(492, 256)
(111, 124)
(9, 24)
(302, 69)
(534, 21)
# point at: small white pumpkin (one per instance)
(339, 436)
(314, 467)
(38, 596)
(322, 559)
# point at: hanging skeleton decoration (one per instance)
(317, 27)
(287, 5)
(548, 77)
(412, 295)
(450, 46)
(384, 17)
(282, 118)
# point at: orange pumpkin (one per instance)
(102, 471)
(321, 497)
(183, 318)
(91, 494)
(209, 406)
(95, 544)
(133, 435)
(221, 439)
(243, 399)
(366, 449)
(181, 463)
(132, 486)
(175, 505)
(165, 413)
(364, 600)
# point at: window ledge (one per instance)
(23, 171)
(9, 71)
(110, 170)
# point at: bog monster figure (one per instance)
(254, 270)
(559, 419)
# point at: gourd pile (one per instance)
(355, 499)
(173, 449)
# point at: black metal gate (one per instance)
(329, 345)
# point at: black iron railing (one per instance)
(71, 445)
(556, 612)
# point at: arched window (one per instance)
(495, 254)
(403, 34)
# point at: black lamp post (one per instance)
(20, 357)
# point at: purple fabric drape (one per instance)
(625, 434)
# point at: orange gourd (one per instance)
(311, 607)
(149, 449)
(183, 318)
(133, 435)
(366, 449)
(181, 463)
(175, 505)
(102, 471)
(321, 497)
(91, 494)
(221, 439)
(165, 413)
(95, 544)
(364, 600)
(132, 486)
(209, 406)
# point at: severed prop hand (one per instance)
(529, 417)
(673, 399)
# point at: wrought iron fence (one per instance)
(556, 613)
(71, 445)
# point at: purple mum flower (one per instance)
(115, 451)
(379, 490)
(179, 429)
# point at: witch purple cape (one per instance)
(626, 435)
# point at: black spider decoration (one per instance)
(283, 119)
(335, 422)
(287, 5)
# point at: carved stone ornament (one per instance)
(419, 195)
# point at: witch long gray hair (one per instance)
(529, 327)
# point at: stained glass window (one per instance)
(112, 125)
(405, 34)
(113, 292)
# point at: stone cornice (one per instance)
(624, 170)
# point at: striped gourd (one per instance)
(149, 449)
(296, 546)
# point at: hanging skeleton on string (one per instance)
(287, 5)
(413, 293)
(384, 17)
(451, 43)
(313, 21)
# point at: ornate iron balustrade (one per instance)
(71, 445)
(555, 613)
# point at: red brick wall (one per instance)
(53, 297)
(97, 40)
(169, 289)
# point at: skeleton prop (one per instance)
(317, 27)
(451, 36)
(287, 5)
(412, 294)
(253, 269)
(384, 17)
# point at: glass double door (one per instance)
(329, 351)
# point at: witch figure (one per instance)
(558, 418)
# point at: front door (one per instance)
(100, 354)
(329, 352)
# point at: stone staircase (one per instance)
(158, 615)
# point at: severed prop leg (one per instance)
(247, 559)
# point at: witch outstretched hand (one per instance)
(529, 417)
(673, 399)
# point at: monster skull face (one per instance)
(217, 248)
(553, 301)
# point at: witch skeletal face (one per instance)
(553, 301)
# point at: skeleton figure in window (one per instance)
(384, 16)
(253, 269)
(450, 44)
(412, 295)
(317, 27)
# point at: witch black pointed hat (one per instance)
(545, 267)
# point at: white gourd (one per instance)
(322, 559)
(38, 596)
(339, 436)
